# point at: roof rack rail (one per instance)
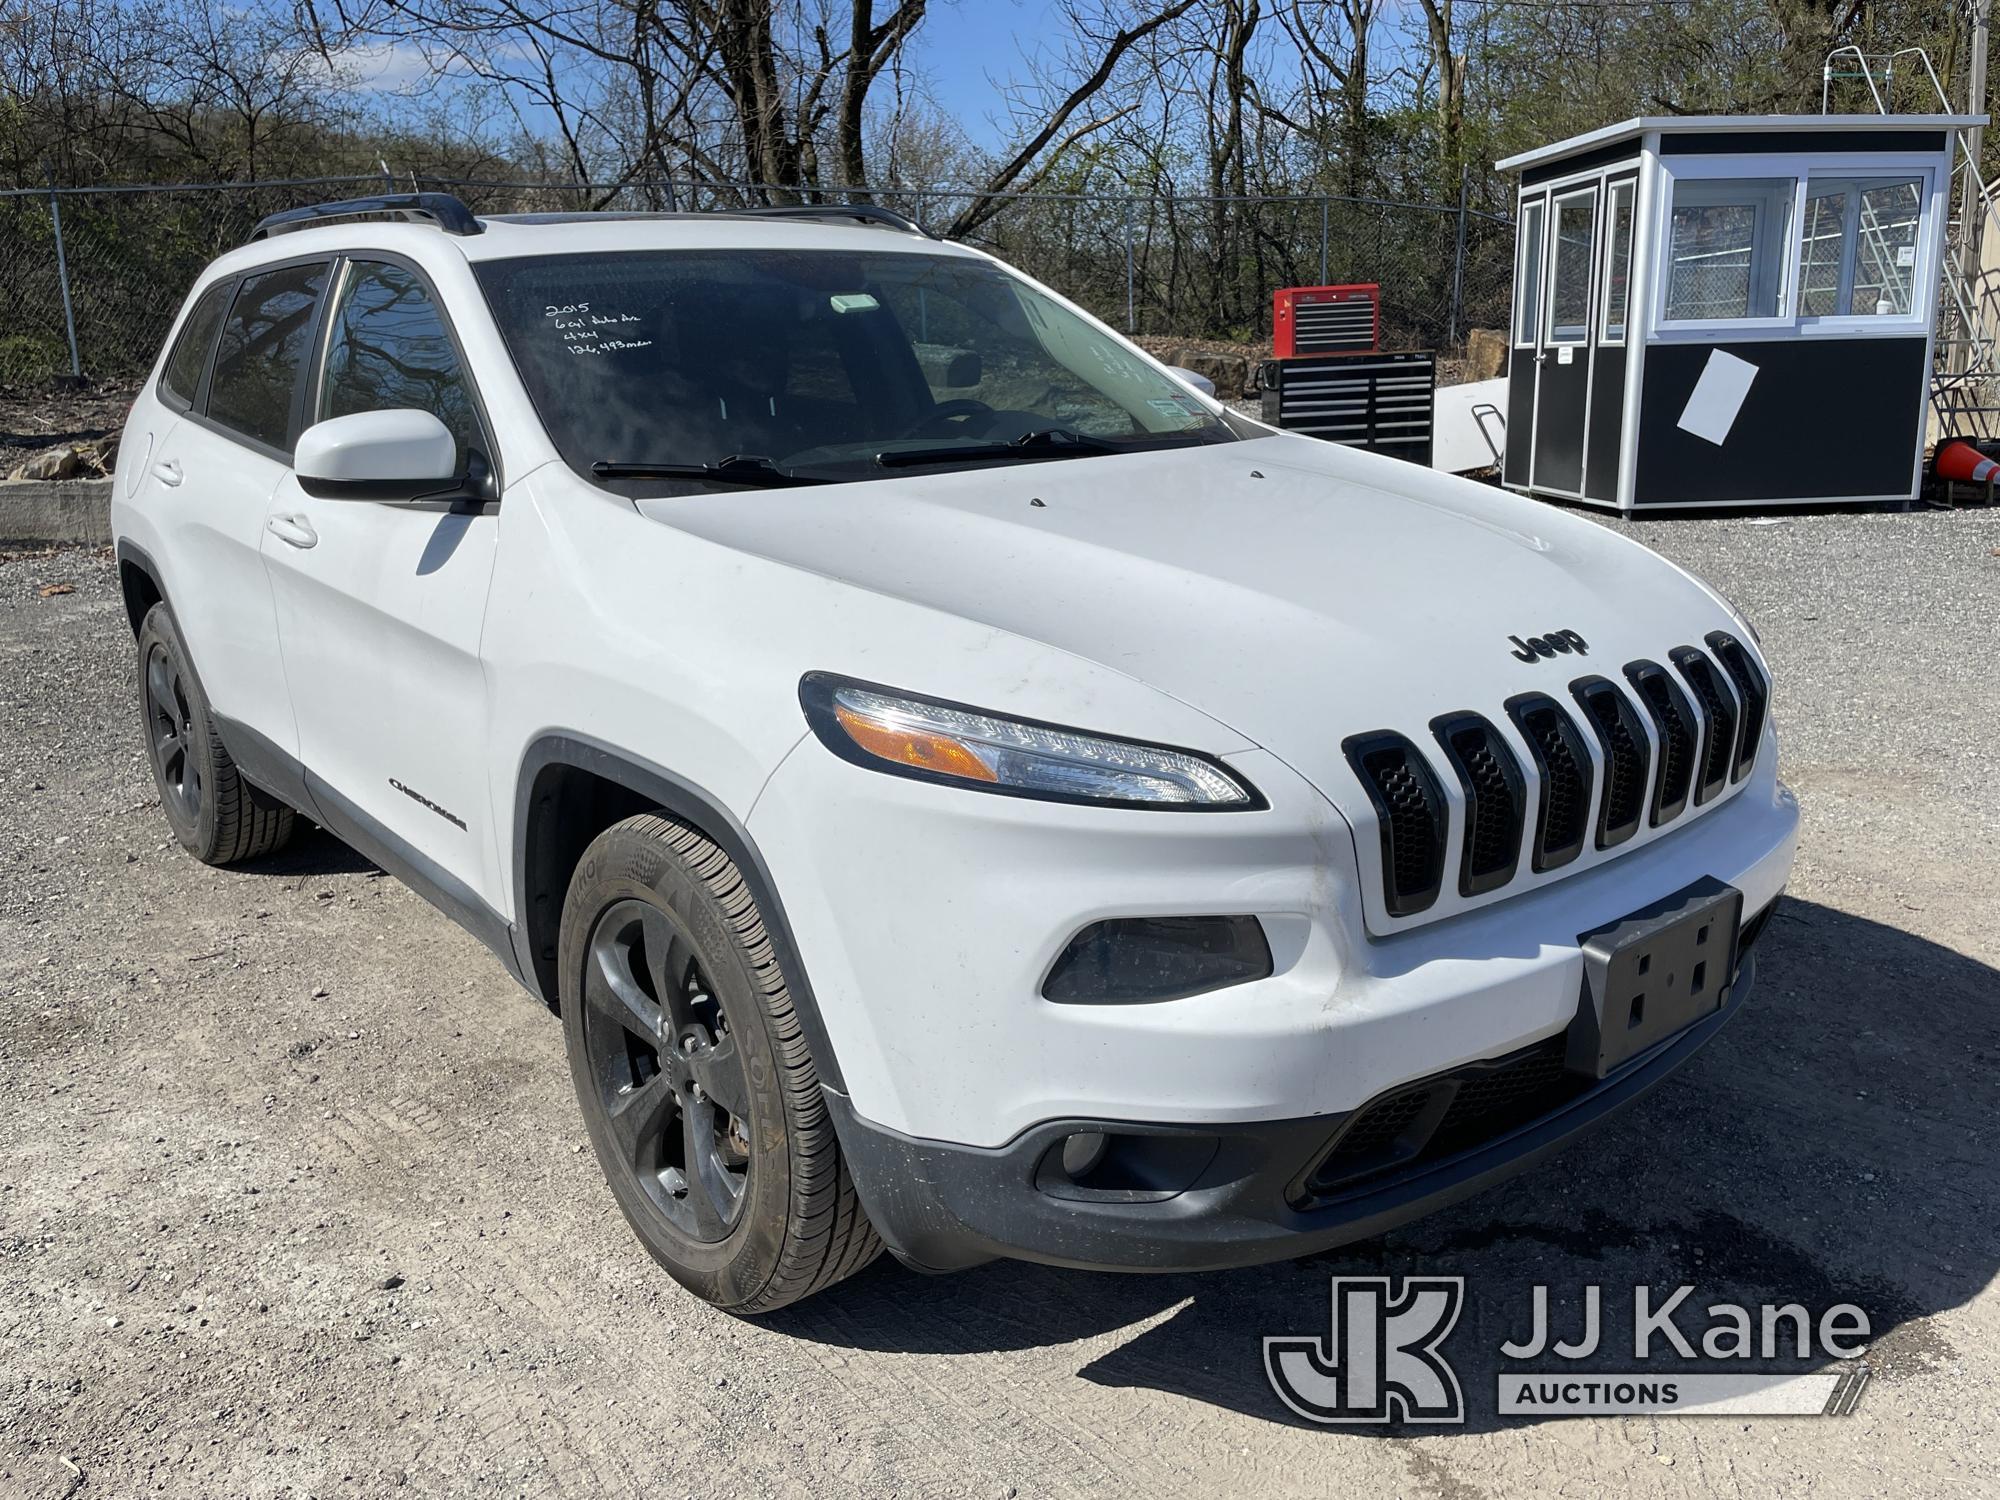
(442, 209)
(867, 213)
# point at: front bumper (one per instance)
(945, 1207)
(927, 919)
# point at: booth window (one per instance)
(1617, 263)
(1858, 252)
(1528, 274)
(1569, 287)
(1729, 248)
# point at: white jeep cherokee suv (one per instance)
(962, 789)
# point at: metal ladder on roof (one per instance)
(1965, 362)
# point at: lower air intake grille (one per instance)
(1410, 808)
(1563, 820)
(1495, 802)
(1627, 760)
(1718, 711)
(1751, 690)
(1441, 1117)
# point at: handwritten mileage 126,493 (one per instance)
(584, 331)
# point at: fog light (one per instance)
(1083, 1153)
(1134, 959)
(1092, 1166)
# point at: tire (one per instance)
(218, 817)
(705, 1110)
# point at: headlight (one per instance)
(920, 737)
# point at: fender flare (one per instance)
(692, 804)
(130, 553)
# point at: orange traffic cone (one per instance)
(1957, 459)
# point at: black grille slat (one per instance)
(1410, 808)
(1718, 709)
(1627, 757)
(1495, 801)
(1562, 762)
(1679, 733)
(1751, 691)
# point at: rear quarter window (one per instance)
(180, 381)
(263, 350)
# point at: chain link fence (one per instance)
(90, 278)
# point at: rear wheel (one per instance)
(217, 815)
(696, 1085)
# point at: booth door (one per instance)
(1564, 340)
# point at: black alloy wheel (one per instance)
(170, 737)
(668, 1074)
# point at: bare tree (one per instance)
(1057, 119)
(719, 89)
(1450, 65)
(1331, 42)
(871, 47)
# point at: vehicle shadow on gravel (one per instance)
(1833, 1144)
(313, 851)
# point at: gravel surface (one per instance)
(294, 1198)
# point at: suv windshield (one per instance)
(662, 369)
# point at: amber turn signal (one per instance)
(907, 746)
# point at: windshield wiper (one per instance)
(738, 468)
(1048, 442)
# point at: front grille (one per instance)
(1718, 750)
(1705, 726)
(1627, 759)
(1750, 690)
(1441, 1117)
(1410, 808)
(1495, 801)
(1563, 819)
(1673, 722)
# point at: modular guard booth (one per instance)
(1727, 310)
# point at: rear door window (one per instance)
(180, 381)
(263, 353)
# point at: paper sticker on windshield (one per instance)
(1176, 406)
(846, 302)
(584, 330)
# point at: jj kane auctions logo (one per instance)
(1383, 1359)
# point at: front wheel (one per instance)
(696, 1085)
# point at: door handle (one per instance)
(168, 471)
(293, 531)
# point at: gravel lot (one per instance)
(294, 1198)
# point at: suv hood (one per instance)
(1295, 591)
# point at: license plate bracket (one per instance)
(1653, 973)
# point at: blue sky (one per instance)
(964, 47)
